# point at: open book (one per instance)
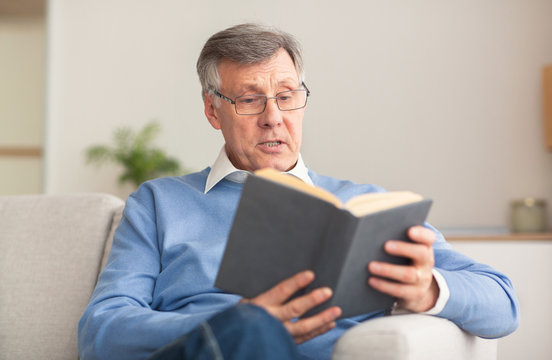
(283, 226)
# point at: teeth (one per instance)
(273, 143)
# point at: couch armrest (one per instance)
(409, 337)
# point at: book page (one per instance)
(370, 203)
(298, 184)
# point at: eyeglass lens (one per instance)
(287, 100)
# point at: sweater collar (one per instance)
(223, 169)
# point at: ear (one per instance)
(211, 111)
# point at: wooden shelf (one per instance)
(501, 237)
(23, 8)
(15, 151)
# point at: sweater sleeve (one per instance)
(482, 300)
(119, 322)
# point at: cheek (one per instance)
(239, 137)
(295, 129)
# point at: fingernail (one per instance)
(391, 245)
(307, 276)
(324, 293)
(373, 281)
(374, 266)
(414, 231)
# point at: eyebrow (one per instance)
(290, 82)
(249, 87)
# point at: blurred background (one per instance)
(444, 98)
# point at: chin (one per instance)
(279, 166)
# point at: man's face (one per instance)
(271, 139)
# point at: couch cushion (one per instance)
(51, 248)
(410, 337)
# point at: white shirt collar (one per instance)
(223, 168)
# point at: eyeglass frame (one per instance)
(233, 102)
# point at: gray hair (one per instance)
(245, 44)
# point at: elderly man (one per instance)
(156, 294)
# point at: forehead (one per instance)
(279, 70)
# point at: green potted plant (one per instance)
(134, 151)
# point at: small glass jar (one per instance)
(528, 216)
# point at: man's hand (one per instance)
(275, 302)
(415, 286)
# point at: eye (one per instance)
(286, 96)
(248, 100)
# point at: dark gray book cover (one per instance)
(279, 231)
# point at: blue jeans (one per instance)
(242, 332)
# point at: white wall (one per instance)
(22, 56)
(22, 59)
(438, 97)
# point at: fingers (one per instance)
(275, 299)
(414, 284)
(283, 291)
(301, 305)
(401, 273)
(422, 263)
(421, 251)
(319, 331)
(415, 287)
(398, 290)
(422, 235)
(305, 329)
(275, 302)
(417, 298)
(421, 255)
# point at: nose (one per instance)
(272, 116)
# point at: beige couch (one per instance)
(51, 251)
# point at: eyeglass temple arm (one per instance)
(306, 88)
(224, 97)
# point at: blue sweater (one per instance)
(158, 282)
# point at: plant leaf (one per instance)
(135, 153)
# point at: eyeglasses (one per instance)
(256, 104)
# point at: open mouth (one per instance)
(272, 143)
